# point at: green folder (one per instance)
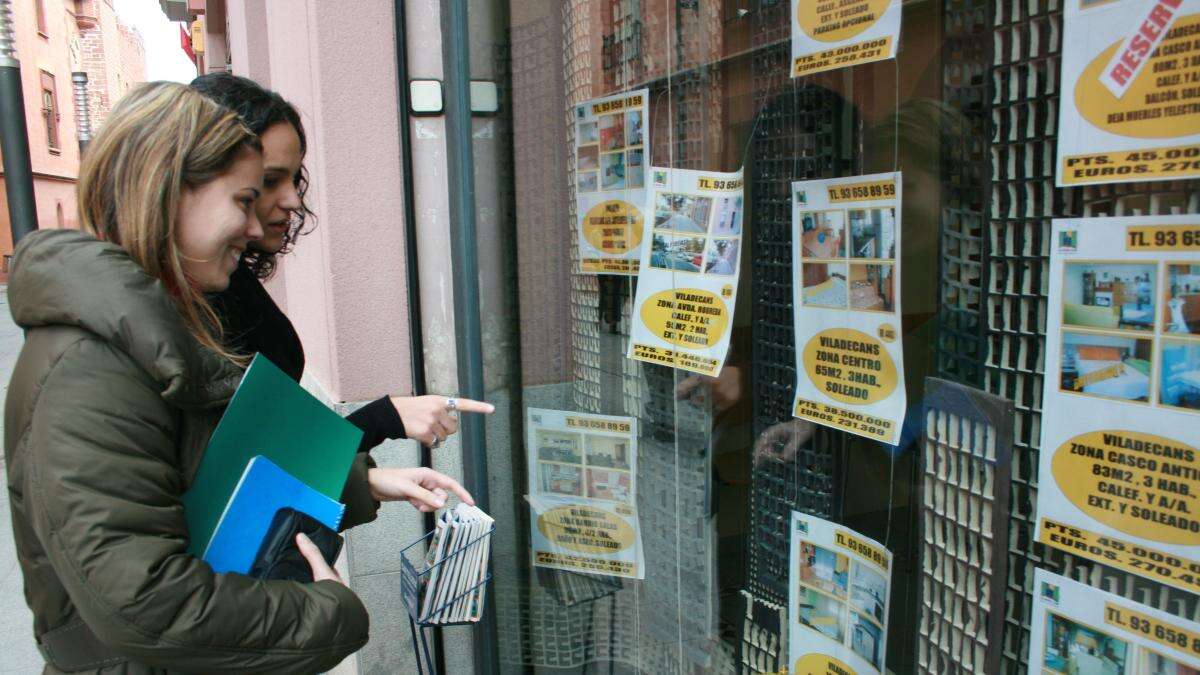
(272, 416)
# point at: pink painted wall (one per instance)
(345, 282)
(249, 39)
(50, 53)
(216, 50)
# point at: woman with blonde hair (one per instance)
(121, 380)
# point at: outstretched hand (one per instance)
(422, 487)
(427, 419)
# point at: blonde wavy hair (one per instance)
(160, 138)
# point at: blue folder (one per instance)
(263, 490)
(272, 416)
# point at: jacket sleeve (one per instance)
(106, 483)
(361, 506)
(379, 421)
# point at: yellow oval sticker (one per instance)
(820, 664)
(613, 227)
(687, 317)
(585, 529)
(1140, 112)
(850, 366)
(826, 21)
(1140, 484)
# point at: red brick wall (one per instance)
(113, 56)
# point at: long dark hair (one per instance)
(259, 109)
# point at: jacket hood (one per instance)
(69, 278)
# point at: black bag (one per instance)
(279, 557)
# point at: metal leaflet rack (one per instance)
(412, 558)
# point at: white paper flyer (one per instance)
(611, 138)
(846, 300)
(839, 583)
(1119, 472)
(688, 277)
(830, 34)
(1130, 104)
(583, 492)
(1076, 628)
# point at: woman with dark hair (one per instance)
(255, 324)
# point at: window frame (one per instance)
(39, 12)
(50, 114)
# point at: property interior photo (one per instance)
(1108, 366)
(1180, 374)
(822, 235)
(1183, 299)
(1107, 295)
(1074, 648)
(824, 284)
(872, 288)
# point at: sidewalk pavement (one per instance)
(21, 656)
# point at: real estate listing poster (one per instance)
(829, 34)
(846, 300)
(1130, 109)
(688, 277)
(839, 583)
(1076, 628)
(1119, 476)
(583, 492)
(611, 146)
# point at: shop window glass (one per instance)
(967, 112)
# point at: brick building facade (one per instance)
(53, 39)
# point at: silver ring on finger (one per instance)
(451, 404)
(437, 442)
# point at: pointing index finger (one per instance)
(468, 405)
(453, 485)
